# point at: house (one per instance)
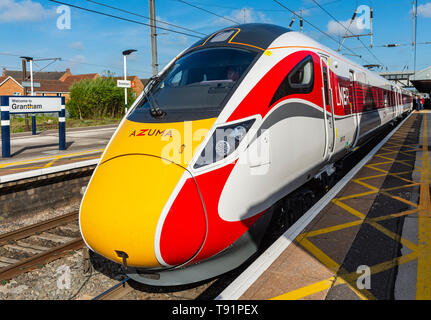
(52, 83)
(10, 87)
(137, 85)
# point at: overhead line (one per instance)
(257, 9)
(121, 18)
(77, 62)
(348, 30)
(139, 15)
(318, 29)
(395, 45)
(210, 12)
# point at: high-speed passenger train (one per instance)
(185, 187)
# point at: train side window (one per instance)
(300, 80)
(301, 77)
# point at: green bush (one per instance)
(97, 98)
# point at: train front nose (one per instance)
(123, 205)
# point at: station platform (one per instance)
(32, 152)
(371, 241)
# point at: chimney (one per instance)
(4, 72)
(65, 75)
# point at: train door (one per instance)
(328, 106)
(396, 102)
(354, 107)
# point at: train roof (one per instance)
(253, 35)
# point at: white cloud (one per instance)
(26, 10)
(424, 10)
(78, 45)
(336, 29)
(78, 59)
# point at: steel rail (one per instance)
(40, 258)
(43, 257)
(38, 227)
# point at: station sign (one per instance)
(27, 84)
(34, 104)
(124, 84)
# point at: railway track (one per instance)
(29, 247)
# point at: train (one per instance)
(241, 119)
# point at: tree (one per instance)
(97, 98)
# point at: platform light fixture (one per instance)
(125, 54)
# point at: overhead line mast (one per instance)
(349, 31)
(154, 62)
(318, 29)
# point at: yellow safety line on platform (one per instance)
(306, 291)
(423, 280)
(48, 158)
(49, 164)
(349, 209)
(25, 168)
(319, 254)
(346, 278)
(393, 235)
(396, 175)
(338, 227)
(310, 234)
(420, 251)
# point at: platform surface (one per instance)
(373, 241)
(30, 152)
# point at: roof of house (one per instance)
(4, 78)
(53, 86)
(131, 78)
(79, 77)
(49, 75)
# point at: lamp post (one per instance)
(33, 116)
(125, 54)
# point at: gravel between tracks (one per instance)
(15, 223)
(47, 282)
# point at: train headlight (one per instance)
(222, 148)
(238, 132)
(224, 141)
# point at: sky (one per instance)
(90, 43)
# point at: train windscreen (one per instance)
(197, 83)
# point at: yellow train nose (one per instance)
(122, 206)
